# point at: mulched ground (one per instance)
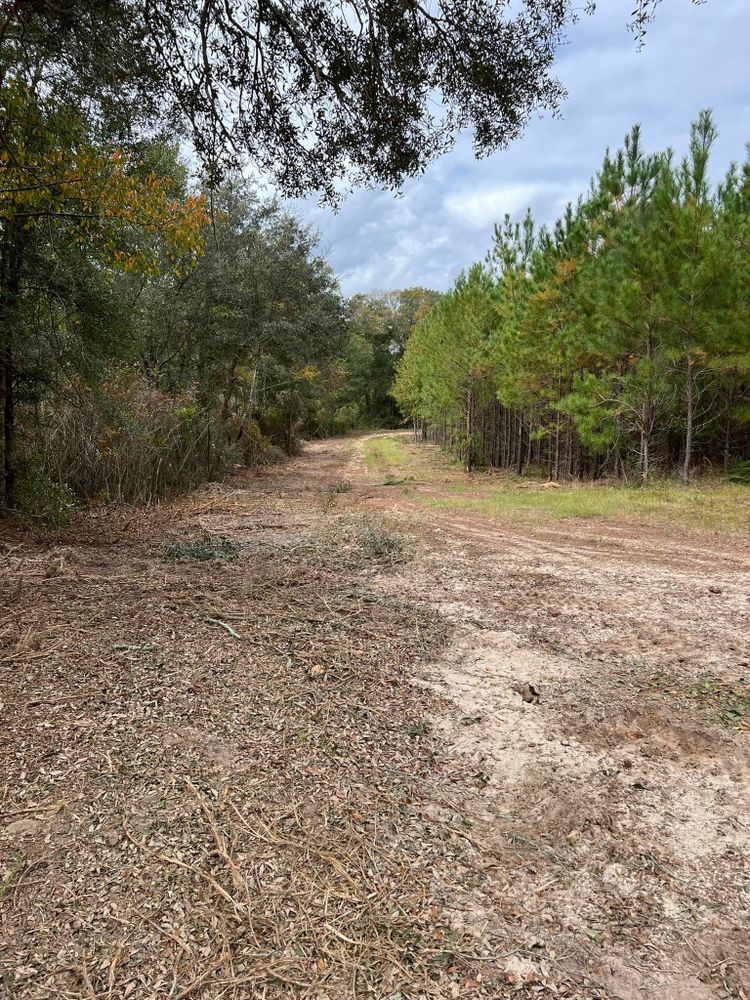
(216, 774)
(267, 741)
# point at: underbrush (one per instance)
(125, 442)
(41, 501)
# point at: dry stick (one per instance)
(55, 807)
(22, 876)
(254, 977)
(86, 981)
(200, 980)
(270, 838)
(112, 966)
(230, 630)
(221, 846)
(181, 864)
(181, 944)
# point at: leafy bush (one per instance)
(43, 501)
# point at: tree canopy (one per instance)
(310, 91)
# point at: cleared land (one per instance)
(361, 726)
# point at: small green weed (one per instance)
(207, 547)
(421, 728)
(343, 486)
(728, 701)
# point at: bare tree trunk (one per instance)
(689, 420)
(469, 426)
(10, 284)
(645, 457)
(290, 425)
(727, 441)
(556, 473)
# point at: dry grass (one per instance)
(712, 504)
(713, 507)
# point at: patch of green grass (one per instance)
(714, 507)
(207, 547)
(382, 453)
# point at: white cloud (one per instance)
(695, 57)
(476, 208)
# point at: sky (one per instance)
(694, 57)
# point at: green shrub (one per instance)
(378, 542)
(43, 501)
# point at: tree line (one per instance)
(156, 329)
(614, 343)
(157, 334)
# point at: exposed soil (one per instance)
(387, 750)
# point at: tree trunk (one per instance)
(290, 426)
(469, 426)
(728, 433)
(645, 458)
(689, 420)
(10, 284)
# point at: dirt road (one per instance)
(366, 746)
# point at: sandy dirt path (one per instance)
(617, 800)
(383, 750)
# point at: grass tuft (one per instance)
(342, 486)
(379, 542)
